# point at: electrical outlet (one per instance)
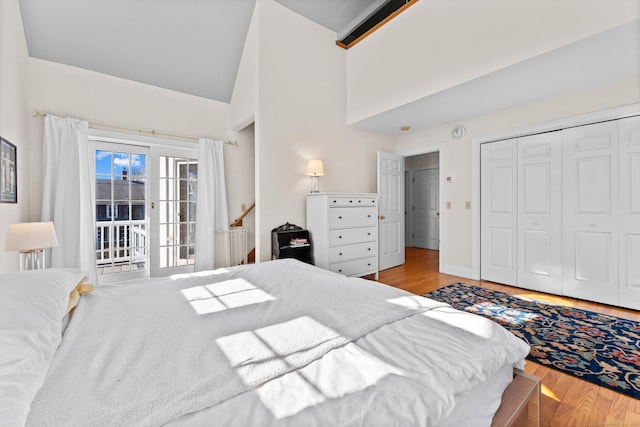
(467, 204)
(448, 204)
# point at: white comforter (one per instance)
(146, 352)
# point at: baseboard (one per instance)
(467, 273)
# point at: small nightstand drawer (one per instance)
(348, 236)
(352, 201)
(349, 252)
(352, 217)
(356, 267)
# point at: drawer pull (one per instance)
(368, 234)
(340, 254)
(339, 237)
(368, 249)
(369, 216)
(350, 201)
(339, 270)
(359, 201)
(369, 264)
(339, 217)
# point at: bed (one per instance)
(279, 343)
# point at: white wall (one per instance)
(302, 115)
(437, 44)
(456, 155)
(13, 122)
(69, 91)
(244, 100)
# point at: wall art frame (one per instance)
(8, 172)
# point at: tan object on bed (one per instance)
(74, 295)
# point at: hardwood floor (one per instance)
(566, 400)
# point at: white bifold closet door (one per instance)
(629, 132)
(498, 186)
(520, 212)
(539, 256)
(590, 212)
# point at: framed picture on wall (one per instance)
(8, 168)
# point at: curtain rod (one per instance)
(139, 131)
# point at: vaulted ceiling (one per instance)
(195, 47)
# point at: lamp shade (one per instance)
(315, 168)
(28, 236)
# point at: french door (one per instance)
(145, 209)
(173, 210)
(121, 206)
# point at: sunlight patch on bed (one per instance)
(265, 353)
(205, 273)
(343, 371)
(416, 302)
(224, 295)
(477, 325)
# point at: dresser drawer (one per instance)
(356, 267)
(349, 236)
(349, 252)
(352, 201)
(352, 217)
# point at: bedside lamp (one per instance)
(315, 168)
(31, 239)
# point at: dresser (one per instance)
(344, 232)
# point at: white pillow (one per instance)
(32, 306)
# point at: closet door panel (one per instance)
(498, 211)
(630, 212)
(539, 212)
(590, 212)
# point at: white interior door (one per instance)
(540, 212)
(498, 219)
(630, 212)
(590, 212)
(391, 209)
(420, 209)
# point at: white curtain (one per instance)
(66, 193)
(211, 202)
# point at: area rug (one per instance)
(601, 349)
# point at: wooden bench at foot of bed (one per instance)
(520, 406)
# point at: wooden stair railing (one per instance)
(238, 222)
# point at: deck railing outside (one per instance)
(121, 242)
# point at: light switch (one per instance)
(448, 204)
(450, 178)
(243, 207)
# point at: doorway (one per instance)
(422, 201)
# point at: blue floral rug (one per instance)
(601, 349)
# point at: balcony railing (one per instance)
(121, 242)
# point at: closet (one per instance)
(560, 212)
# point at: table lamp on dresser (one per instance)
(31, 239)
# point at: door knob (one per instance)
(382, 217)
